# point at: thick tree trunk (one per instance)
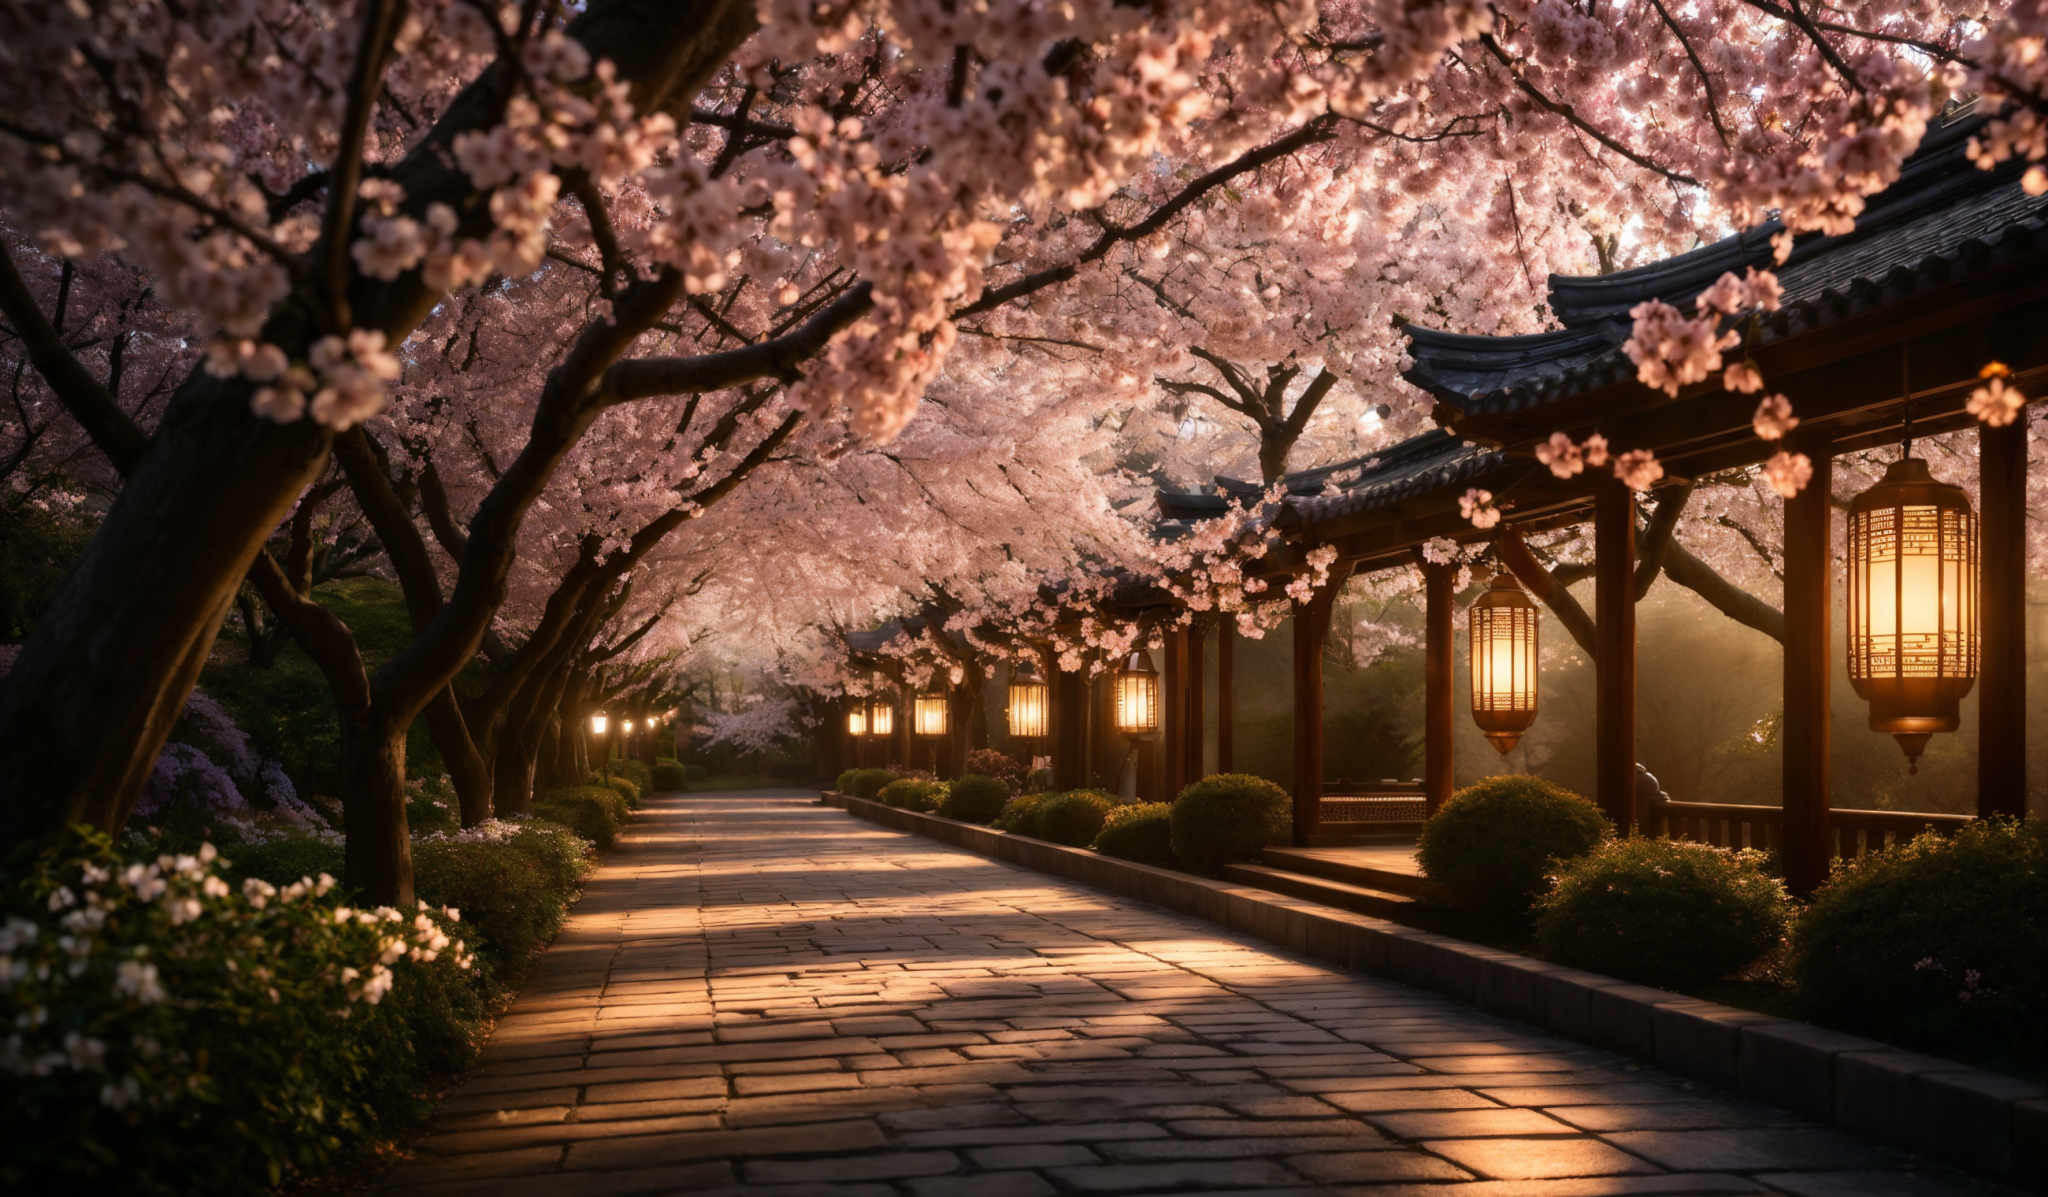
(378, 860)
(467, 767)
(514, 774)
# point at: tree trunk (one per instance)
(378, 860)
(514, 774)
(467, 768)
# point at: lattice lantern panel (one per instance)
(1501, 632)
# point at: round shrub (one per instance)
(510, 896)
(1493, 843)
(1226, 817)
(1141, 831)
(910, 793)
(975, 798)
(593, 812)
(993, 762)
(624, 787)
(668, 778)
(1075, 817)
(1020, 814)
(635, 770)
(1663, 912)
(867, 783)
(1941, 943)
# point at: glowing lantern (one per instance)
(1502, 637)
(1137, 696)
(857, 721)
(881, 718)
(1913, 641)
(1028, 703)
(928, 714)
(627, 727)
(598, 724)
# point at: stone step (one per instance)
(1319, 889)
(1335, 864)
(1329, 834)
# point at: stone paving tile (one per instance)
(760, 995)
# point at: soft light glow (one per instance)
(1137, 696)
(598, 724)
(881, 718)
(1502, 637)
(928, 715)
(856, 722)
(627, 727)
(1030, 718)
(1913, 640)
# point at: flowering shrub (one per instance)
(592, 811)
(1494, 842)
(212, 772)
(1075, 817)
(1940, 943)
(1140, 831)
(975, 798)
(189, 1035)
(1226, 817)
(1663, 912)
(994, 762)
(431, 806)
(513, 882)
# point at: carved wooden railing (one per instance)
(1851, 833)
(1359, 800)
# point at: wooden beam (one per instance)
(1311, 625)
(2002, 610)
(1439, 709)
(1226, 706)
(1548, 590)
(1614, 550)
(1804, 732)
(1197, 694)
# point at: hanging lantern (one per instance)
(1028, 703)
(928, 714)
(1913, 639)
(857, 720)
(881, 718)
(1502, 636)
(1137, 696)
(598, 724)
(627, 727)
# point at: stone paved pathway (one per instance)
(766, 995)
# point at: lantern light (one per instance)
(627, 727)
(928, 714)
(1501, 633)
(1913, 636)
(598, 724)
(1137, 696)
(1028, 703)
(856, 721)
(881, 718)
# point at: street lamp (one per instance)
(1137, 696)
(1502, 639)
(600, 723)
(1029, 700)
(1913, 637)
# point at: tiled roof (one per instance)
(1942, 221)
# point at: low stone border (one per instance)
(1980, 1120)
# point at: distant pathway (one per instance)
(762, 993)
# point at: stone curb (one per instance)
(1980, 1120)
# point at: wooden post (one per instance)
(1191, 770)
(1438, 708)
(1070, 716)
(2002, 611)
(906, 742)
(1311, 625)
(1173, 716)
(1226, 707)
(1809, 608)
(1614, 591)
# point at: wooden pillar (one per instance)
(906, 742)
(1226, 707)
(1070, 715)
(1173, 716)
(1809, 610)
(1311, 625)
(1439, 710)
(1614, 589)
(1196, 693)
(2002, 612)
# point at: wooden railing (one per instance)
(1851, 833)
(1388, 800)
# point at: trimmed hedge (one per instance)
(1663, 912)
(513, 883)
(637, 771)
(1140, 831)
(669, 777)
(591, 811)
(1494, 843)
(1227, 817)
(912, 793)
(975, 798)
(1075, 817)
(1938, 943)
(865, 783)
(1020, 814)
(624, 787)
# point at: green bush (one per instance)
(431, 806)
(668, 777)
(912, 793)
(1075, 817)
(283, 860)
(975, 798)
(844, 782)
(1020, 814)
(1494, 843)
(591, 811)
(1663, 912)
(867, 783)
(624, 787)
(637, 771)
(1939, 943)
(1226, 817)
(1141, 831)
(510, 893)
(562, 856)
(695, 772)
(193, 1036)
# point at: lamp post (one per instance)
(1136, 712)
(1502, 638)
(600, 723)
(1913, 576)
